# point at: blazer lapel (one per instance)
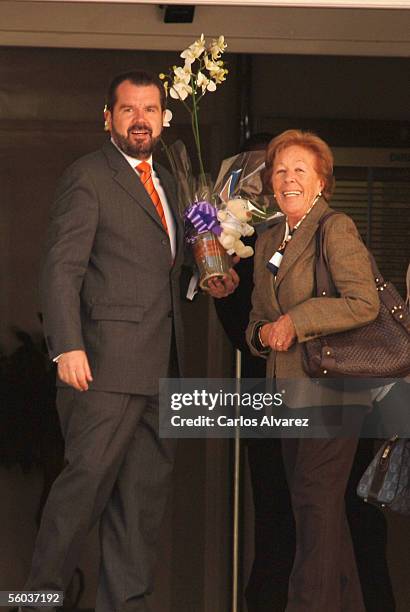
(130, 181)
(301, 239)
(170, 192)
(275, 239)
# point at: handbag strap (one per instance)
(323, 280)
(324, 285)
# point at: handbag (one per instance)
(386, 482)
(367, 354)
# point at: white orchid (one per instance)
(189, 83)
(217, 47)
(216, 70)
(194, 51)
(182, 75)
(219, 75)
(204, 83)
(180, 87)
(167, 118)
(180, 91)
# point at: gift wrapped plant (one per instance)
(216, 216)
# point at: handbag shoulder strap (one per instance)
(324, 285)
(324, 282)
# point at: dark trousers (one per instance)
(274, 532)
(117, 470)
(324, 576)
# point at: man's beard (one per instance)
(137, 150)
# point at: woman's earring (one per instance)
(319, 194)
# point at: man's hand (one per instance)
(279, 335)
(226, 286)
(73, 369)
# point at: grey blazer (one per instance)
(108, 284)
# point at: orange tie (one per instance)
(144, 170)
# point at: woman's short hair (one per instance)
(309, 141)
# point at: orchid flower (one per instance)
(180, 91)
(167, 118)
(217, 47)
(182, 75)
(189, 83)
(216, 70)
(204, 83)
(194, 51)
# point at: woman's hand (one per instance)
(279, 335)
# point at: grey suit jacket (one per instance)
(108, 283)
(293, 293)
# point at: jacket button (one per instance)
(164, 241)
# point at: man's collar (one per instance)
(133, 161)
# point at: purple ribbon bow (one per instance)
(202, 215)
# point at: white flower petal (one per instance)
(180, 91)
(167, 118)
(217, 47)
(188, 56)
(173, 93)
(182, 75)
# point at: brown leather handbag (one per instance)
(377, 350)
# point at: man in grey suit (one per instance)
(110, 299)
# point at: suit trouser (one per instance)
(324, 576)
(274, 528)
(117, 470)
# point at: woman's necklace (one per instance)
(276, 259)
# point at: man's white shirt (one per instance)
(133, 162)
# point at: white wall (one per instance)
(249, 29)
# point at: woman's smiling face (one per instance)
(295, 181)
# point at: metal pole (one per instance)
(236, 493)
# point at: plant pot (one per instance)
(211, 258)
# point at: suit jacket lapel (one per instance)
(301, 239)
(169, 189)
(173, 203)
(130, 181)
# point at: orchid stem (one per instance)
(195, 129)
